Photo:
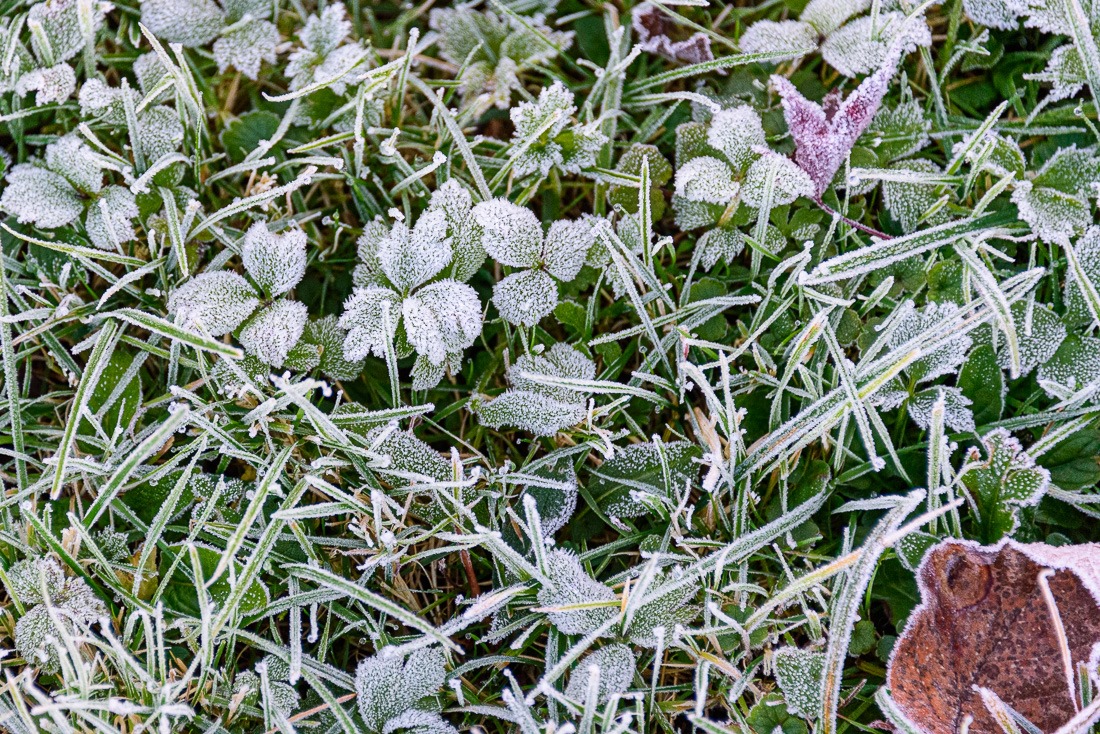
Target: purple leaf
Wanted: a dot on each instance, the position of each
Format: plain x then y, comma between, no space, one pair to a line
824,134
654,28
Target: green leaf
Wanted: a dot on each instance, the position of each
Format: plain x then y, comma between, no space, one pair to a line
1001,479
1074,463
181,596
982,380
643,469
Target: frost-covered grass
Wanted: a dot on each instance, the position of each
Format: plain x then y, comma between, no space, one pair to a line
527,365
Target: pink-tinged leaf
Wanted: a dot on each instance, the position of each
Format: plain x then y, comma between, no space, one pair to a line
653,29
824,134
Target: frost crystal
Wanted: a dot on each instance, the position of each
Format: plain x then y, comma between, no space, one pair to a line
321,57
364,317
616,665
999,14
1075,366
410,258
569,584
61,27
442,318
1065,72
1039,333
388,685
328,338
910,202
550,136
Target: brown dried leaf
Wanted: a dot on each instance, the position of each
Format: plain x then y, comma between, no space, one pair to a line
654,30
984,622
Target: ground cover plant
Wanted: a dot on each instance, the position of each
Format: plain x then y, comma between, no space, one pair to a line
549,366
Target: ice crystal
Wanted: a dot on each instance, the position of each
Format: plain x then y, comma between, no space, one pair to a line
1039,333
441,319
824,134
388,684
719,245
59,21
365,318
666,607
910,202
1000,479
899,131
1075,366
569,584
1065,72
615,665
737,132
276,262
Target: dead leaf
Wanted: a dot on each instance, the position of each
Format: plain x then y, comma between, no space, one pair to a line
984,622
653,29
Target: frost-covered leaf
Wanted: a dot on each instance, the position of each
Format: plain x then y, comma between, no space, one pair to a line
36,195
615,664
364,318
511,234
1000,479
786,35
71,158
824,134
388,684
828,15
642,469
218,302
464,232
799,674
1052,214
246,46
940,362
276,262
994,153
1039,333
1075,366
104,102
1087,250
160,132
864,44
909,202
325,31
899,131
189,22
537,124
654,30
567,245
26,580
109,218
326,334
957,414
53,84
442,318
530,411
412,257
999,14
273,332
409,455
561,360
1065,72
526,297
569,584
1071,170
61,27
737,132
774,180
707,180
719,245
418,722
667,607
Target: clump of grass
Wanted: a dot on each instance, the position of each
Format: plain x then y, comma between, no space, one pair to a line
375,368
